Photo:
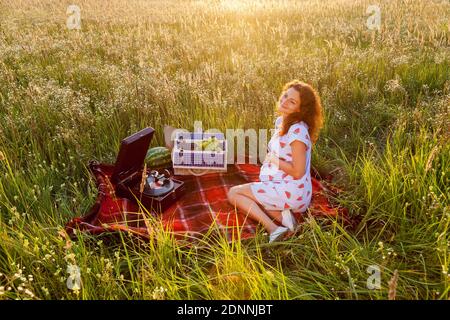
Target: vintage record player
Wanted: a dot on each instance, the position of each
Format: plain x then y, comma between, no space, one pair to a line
159,190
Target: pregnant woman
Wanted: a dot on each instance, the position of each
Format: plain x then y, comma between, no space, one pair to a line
285,181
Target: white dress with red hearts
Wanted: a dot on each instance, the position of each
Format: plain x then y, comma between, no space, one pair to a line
277,189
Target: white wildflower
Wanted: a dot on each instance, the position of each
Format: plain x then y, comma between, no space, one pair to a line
159,293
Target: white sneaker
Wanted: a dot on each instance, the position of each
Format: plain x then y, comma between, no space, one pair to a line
288,220
277,234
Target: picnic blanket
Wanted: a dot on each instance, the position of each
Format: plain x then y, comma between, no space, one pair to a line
204,205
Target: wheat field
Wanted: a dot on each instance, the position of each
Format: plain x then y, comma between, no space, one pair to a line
70,95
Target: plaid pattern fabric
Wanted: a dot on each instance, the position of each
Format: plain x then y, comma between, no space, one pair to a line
203,205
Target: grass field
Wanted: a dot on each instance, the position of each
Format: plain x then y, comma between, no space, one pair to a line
68,96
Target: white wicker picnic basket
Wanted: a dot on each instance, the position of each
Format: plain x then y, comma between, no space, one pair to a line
197,153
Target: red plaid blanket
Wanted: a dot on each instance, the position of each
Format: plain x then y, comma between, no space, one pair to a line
204,205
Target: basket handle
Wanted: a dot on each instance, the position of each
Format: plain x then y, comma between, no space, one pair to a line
197,174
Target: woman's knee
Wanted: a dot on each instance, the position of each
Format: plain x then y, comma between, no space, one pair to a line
232,193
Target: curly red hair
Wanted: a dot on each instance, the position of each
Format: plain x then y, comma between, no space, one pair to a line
310,109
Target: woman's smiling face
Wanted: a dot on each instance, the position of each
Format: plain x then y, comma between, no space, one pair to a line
289,102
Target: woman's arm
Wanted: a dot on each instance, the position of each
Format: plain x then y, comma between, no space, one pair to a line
296,168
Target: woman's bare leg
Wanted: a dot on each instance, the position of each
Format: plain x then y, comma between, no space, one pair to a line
275,214
242,197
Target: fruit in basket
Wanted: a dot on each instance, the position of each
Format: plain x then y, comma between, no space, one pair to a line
158,157
210,144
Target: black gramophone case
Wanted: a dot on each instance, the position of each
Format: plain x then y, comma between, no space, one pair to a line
128,171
